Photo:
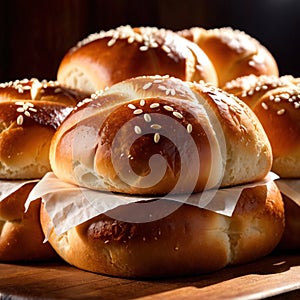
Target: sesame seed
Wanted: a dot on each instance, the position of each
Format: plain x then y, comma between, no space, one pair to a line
166,49
20,120
264,105
147,85
137,130
176,248
168,108
296,104
27,113
111,42
277,99
189,128
177,114
107,241
138,111
131,106
281,112
144,48
147,118
57,90
157,81
156,138
155,126
32,109
142,102
154,105
144,239
20,109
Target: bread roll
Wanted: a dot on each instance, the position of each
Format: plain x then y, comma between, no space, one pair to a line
276,102
105,58
233,52
21,235
30,112
188,241
155,135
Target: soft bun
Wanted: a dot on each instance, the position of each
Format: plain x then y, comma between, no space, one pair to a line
276,102
165,123
21,235
233,52
30,112
188,241
108,57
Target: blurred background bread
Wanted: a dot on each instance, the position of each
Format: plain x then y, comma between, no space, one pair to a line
232,52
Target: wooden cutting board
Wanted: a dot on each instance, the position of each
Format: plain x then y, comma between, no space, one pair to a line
275,276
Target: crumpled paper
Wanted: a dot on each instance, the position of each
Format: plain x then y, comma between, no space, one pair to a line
8,187
290,188
69,205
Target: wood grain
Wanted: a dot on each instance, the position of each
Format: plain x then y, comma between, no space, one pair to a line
275,275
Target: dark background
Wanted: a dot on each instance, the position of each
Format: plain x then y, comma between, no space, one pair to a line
35,35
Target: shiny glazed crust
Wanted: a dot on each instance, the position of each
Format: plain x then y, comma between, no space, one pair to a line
30,112
187,241
108,57
233,52
276,102
21,235
154,135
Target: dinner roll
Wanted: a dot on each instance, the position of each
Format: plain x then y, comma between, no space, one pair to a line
105,58
233,52
30,112
188,241
21,235
276,102
154,135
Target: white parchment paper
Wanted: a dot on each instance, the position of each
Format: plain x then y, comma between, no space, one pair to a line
8,187
68,205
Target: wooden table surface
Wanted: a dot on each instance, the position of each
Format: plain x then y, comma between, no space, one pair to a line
276,276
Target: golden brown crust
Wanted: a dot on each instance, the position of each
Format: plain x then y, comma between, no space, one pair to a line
182,122
187,241
233,52
21,235
108,57
30,112
276,102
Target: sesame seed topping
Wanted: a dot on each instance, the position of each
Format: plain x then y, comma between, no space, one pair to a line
154,105
168,108
131,106
137,129
296,104
20,120
177,115
281,112
138,111
157,81
142,102
156,138
147,85
144,48
155,126
147,118
27,113
264,106
20,109
189,128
